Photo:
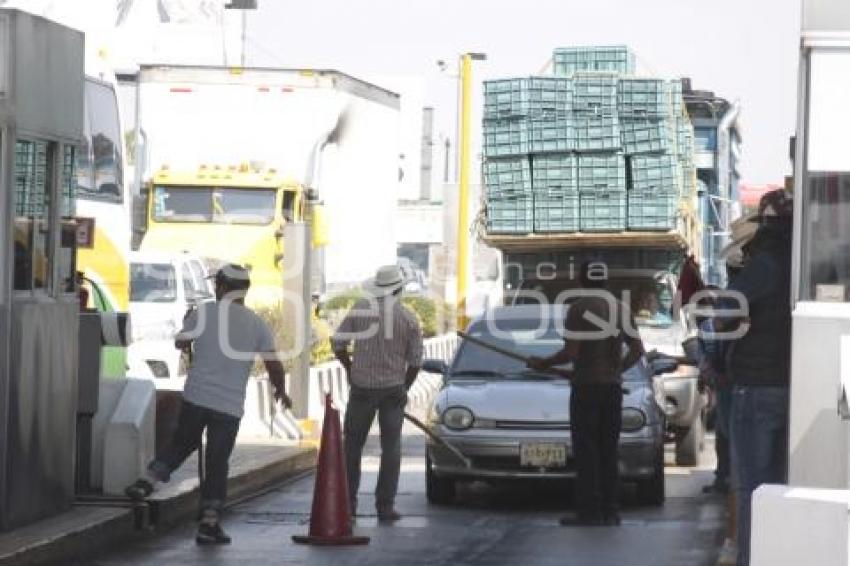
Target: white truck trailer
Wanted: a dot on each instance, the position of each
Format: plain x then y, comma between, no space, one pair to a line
324,129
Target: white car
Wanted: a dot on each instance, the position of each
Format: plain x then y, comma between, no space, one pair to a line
163,287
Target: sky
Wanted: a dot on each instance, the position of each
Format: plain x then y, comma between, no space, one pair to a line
743,50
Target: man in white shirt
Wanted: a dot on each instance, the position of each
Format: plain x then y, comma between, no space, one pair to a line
225,338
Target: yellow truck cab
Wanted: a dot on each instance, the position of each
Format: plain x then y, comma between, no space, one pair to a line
228,214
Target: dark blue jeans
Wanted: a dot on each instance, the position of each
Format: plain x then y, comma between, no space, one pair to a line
759,438
221,431
360,412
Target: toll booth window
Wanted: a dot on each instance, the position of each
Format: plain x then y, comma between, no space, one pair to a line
32,215
288,208
66,261
101,173
825,258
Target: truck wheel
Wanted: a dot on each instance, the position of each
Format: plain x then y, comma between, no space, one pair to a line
689,444
651,491
439,491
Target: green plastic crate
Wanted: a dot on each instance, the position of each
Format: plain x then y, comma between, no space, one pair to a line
527,96
549,97
651,209
571,60
557,172
595,93
556,135
556,211
601,173
643,98
505,138
510,215
596,133
602,211
655,172
645,135
676,93
506,98
507,175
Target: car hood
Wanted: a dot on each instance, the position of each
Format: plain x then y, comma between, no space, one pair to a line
525,400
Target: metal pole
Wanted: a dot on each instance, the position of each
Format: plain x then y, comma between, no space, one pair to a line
244,30
463,189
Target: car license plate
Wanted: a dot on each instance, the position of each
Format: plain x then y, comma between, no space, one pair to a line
543,455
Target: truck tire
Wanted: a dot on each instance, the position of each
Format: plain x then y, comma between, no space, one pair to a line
651,490
689,443
438,491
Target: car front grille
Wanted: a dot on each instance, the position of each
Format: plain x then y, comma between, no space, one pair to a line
534,425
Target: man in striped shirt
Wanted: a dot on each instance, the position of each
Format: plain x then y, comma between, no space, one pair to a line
387,355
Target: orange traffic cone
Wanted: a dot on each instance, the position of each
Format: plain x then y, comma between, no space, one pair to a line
330,519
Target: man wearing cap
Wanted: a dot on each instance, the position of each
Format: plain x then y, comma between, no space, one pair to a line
225,338
387,355
759,361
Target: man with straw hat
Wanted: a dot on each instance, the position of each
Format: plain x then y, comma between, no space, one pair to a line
759,362
387,355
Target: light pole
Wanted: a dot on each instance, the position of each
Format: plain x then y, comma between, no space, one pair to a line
244,6
463,185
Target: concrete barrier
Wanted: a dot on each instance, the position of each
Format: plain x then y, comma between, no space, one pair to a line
129,437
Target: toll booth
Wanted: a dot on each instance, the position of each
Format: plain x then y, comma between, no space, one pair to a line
41,127
807,522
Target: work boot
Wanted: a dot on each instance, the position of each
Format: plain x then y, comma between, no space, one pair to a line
209,529
211,533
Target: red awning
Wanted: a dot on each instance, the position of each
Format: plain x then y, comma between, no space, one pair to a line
750,195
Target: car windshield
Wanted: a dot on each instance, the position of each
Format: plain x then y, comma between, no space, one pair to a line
213,205
650,298
152,283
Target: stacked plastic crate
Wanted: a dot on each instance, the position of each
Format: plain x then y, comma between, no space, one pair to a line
601,168
591,148
507,166
648,123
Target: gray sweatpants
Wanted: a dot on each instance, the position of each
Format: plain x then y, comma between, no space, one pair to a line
360,412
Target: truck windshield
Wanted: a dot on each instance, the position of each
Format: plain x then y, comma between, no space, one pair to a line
213,205
152,283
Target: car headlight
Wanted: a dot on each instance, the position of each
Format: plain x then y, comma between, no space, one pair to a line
633,420
458,418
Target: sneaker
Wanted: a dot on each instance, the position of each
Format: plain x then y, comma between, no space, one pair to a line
211,534
612,520
139,490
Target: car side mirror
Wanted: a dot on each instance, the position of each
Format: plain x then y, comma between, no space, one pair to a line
435,366
663,365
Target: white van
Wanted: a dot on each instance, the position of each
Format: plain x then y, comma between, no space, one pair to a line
163,287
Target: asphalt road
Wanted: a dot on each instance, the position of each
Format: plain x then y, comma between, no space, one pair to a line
490,525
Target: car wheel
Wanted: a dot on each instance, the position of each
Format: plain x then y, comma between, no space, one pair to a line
439,491
651,490
689,443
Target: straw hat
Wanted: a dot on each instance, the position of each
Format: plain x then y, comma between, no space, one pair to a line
387,281
743,231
